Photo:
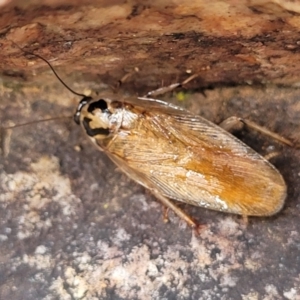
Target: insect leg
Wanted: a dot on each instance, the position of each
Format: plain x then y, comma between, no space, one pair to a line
125,78
271,155
166,89
166,214
245,220
5,136
235,123
128,75
180,213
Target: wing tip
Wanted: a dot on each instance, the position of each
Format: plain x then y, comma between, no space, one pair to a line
270,207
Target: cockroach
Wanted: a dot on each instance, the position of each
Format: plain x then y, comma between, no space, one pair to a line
181,156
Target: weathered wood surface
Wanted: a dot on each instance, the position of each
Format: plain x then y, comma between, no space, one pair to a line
227,42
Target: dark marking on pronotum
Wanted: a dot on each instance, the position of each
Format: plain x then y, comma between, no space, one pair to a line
101,104
92,132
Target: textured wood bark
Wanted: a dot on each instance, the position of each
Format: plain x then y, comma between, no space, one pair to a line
227,42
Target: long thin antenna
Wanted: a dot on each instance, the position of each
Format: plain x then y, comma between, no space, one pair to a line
54,72
36,121
5,132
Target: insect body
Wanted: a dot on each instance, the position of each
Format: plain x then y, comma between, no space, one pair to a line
181,156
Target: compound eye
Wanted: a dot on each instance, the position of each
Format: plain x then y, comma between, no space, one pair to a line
84,101
100,104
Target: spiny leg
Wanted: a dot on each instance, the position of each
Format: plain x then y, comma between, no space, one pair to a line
170,88
127,75
271,155
245,220
166,214
5,137
180,213
235,123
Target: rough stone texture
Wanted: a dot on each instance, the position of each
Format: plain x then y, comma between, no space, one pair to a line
72,225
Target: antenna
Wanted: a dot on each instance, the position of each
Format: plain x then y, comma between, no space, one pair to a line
36,121
4,130
52,69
